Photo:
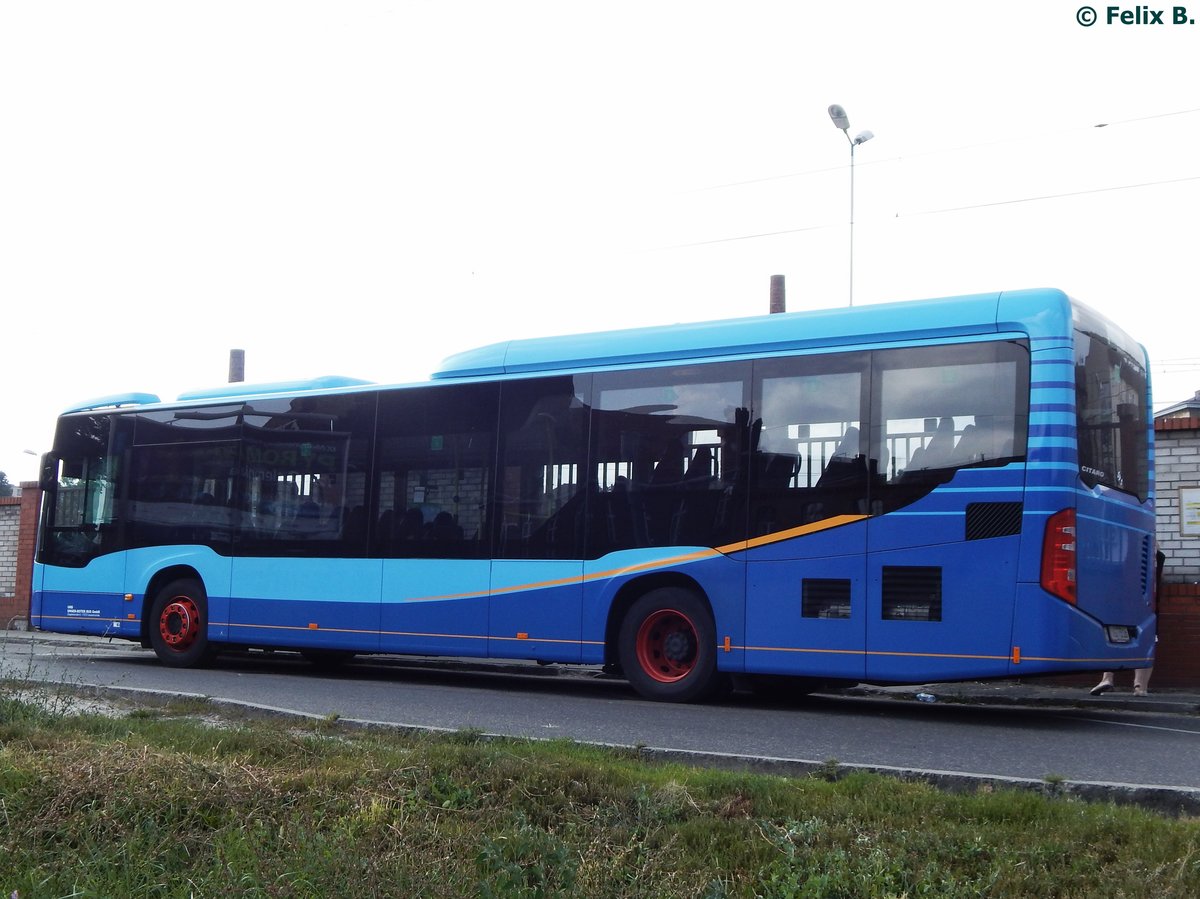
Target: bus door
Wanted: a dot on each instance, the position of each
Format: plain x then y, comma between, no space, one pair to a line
808,479
300,572
945,531
542,501
435,455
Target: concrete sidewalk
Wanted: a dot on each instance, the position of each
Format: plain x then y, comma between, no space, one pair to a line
1037,692
1027,693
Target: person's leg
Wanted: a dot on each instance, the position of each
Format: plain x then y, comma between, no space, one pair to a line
1106,684
1141,681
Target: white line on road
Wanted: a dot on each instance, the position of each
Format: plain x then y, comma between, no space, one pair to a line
1174,730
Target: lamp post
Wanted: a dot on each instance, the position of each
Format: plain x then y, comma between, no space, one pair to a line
842,122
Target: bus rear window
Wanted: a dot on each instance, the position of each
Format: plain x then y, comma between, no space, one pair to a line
1111,400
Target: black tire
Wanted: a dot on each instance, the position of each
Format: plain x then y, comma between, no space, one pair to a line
179,625
668,646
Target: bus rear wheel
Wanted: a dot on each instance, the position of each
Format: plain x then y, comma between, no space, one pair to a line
179,625
667,646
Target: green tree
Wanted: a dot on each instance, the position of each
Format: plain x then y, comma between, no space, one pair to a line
6,489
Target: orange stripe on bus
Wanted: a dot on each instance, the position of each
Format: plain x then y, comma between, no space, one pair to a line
824,524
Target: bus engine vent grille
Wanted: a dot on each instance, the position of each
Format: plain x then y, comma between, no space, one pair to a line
825,598
986,520
912,593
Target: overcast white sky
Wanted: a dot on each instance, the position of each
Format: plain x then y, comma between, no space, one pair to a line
364,188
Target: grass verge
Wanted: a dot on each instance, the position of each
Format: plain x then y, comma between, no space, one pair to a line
164,805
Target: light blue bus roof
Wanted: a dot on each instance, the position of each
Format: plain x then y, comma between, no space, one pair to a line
1040,313
236,390
1044,312
226,391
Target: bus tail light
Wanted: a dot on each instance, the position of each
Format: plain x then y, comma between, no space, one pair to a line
1058,556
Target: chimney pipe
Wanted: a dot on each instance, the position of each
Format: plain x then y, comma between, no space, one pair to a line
778,298
237,366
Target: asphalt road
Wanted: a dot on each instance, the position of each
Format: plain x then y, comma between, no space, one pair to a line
1076,744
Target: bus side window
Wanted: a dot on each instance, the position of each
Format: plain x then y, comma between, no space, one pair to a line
810,462
667,449
304,464
543,492
947,407
435,454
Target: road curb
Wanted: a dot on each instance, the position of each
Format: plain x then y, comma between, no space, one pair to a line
1175,801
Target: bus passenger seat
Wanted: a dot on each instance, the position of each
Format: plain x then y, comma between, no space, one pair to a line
940,448
968,449
700,468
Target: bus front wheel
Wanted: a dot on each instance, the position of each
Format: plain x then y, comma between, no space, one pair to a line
667,646
179,626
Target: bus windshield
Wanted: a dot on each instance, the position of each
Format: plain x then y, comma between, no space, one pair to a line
79,520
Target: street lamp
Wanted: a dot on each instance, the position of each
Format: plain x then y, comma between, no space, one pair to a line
842,122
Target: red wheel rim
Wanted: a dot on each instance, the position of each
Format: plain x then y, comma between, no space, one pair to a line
179,623
667,646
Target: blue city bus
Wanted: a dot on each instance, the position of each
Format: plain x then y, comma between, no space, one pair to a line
944,489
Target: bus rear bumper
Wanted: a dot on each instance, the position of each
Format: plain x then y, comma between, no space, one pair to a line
1050,635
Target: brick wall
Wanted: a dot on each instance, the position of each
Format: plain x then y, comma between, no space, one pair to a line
10,530
10,534
1177,465
1178,660
31,504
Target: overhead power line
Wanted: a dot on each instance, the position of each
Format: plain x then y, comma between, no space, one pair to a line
941,211
1074,193
1040,136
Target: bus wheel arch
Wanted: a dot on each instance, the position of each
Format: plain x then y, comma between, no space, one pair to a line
160,580
663,634
177,624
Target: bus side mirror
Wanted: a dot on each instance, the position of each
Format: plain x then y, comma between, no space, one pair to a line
48,478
